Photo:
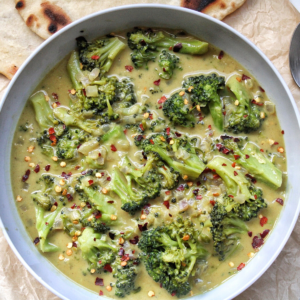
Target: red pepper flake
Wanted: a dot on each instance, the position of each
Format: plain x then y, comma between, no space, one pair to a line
151,141
97,214
157,82
74,244
57,103
282,131
73,206
280,201
101,293
209,127
168,130
77,167
110,201
245,77
121,252
263,221
224,113
143,227
52,138
221,54
212,202
235,173
91,182
245,116
255,197
160,107
233,164
262,90
241,266
216,176
265,233
173,294
51,130
167,192
95,57
125,131
224,165
125,257
134,241
108,268
26,176
55,96
225,151
167,204
141,127
164,168
177,134
261,150
162,100
250,233
256,103
253,180
247,156
99,281
37,168
199,197
151,116
36,240
177,47
47,168
275,143
180,188
113,148
257,242
236,157
84,92
78,146
65,175
231,196
108,178
129,68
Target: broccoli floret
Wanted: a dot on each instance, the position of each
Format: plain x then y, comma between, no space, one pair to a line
70,218
178,112
168,62
255,162
170,178
245,117
133,190
157,125
189,165
96,250
204,92
126,277
145,43
93,218
99,53
43,112
170,253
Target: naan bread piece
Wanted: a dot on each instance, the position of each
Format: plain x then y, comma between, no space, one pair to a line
43,17
16,40
218,9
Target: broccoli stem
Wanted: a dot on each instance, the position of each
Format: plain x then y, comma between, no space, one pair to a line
239,91
215,108
223,168
116,133
73,67
193,47
43,112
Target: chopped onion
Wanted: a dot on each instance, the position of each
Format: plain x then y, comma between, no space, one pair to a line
87,147
183,205
58,224
182,154
94,74
91,91
240,198
249,83
270,107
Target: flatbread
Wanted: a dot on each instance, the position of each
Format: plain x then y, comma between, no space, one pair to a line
16,40
218,9
43,18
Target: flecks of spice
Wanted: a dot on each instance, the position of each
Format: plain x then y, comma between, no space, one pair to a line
261,89
162,100
113,148
107,268
167,204
257,242
99,281
55,96
264,233
36,240
241,266
134,241
37,168
221,54
26,176
280,201
143,227
121,252
156,82
47,168
177,47
69,197
263,221
101,293
212,202
129,68
245,77
95,57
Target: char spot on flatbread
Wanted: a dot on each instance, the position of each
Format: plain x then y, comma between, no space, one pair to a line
223,5
196,4
57,17
30,20
20,4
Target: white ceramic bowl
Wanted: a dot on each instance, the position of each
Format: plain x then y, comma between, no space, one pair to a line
120,18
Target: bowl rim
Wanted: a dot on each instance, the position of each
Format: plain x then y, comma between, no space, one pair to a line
168,7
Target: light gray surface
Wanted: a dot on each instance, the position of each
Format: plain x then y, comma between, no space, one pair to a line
202,26
295,55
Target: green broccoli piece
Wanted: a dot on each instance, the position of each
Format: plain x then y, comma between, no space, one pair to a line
170,253
43,111
255,162
178,112
245,117
96,250
187,165
134,191
99,53
145,44
44,200
69,218
168,62
204,92
169,177
126,277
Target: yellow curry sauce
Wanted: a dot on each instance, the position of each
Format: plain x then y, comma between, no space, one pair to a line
209,275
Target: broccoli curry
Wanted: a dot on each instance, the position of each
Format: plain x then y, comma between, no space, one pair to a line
149,163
